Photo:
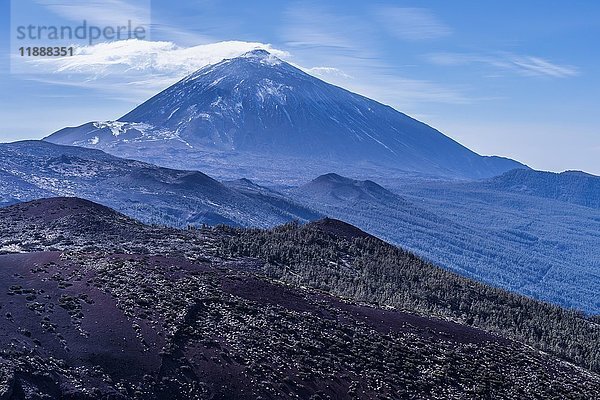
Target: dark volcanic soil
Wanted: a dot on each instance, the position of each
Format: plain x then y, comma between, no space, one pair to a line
170,319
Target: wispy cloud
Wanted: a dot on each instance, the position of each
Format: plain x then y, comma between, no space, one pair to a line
317,27
135,69
138,66
100,12
405,94
325,72
155,57
115,12
352,47
538,66
521,64
412,23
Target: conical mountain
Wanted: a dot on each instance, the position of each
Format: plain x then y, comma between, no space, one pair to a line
260,106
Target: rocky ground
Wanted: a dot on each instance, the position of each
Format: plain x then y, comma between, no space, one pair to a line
95,305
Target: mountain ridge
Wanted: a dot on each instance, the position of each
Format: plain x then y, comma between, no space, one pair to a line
310,281
345,188
35,169
575,187
518,241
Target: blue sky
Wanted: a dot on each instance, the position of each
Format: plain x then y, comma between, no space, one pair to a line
512,78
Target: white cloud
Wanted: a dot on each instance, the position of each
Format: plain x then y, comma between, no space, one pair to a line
412,23
521,64
143,67
155,57
135,69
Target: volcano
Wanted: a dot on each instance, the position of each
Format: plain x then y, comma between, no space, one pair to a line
257,109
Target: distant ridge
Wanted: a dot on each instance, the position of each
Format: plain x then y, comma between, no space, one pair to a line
575,187
345,188
152,194
338,228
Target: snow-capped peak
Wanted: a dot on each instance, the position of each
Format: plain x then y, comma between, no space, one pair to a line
258,104
262,56
256,53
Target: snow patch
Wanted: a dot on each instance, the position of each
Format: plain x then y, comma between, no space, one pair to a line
118,128
12,248
172,112
115,127
218,102
268,88
215,82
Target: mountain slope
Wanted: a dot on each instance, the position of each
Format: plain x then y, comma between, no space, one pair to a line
162,322
256,105
535,246
14,189
336,187
570,186
36,169
279,201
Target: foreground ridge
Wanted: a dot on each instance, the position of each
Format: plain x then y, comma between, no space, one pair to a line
98,305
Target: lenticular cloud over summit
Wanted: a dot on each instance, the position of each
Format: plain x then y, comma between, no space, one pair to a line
136,60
